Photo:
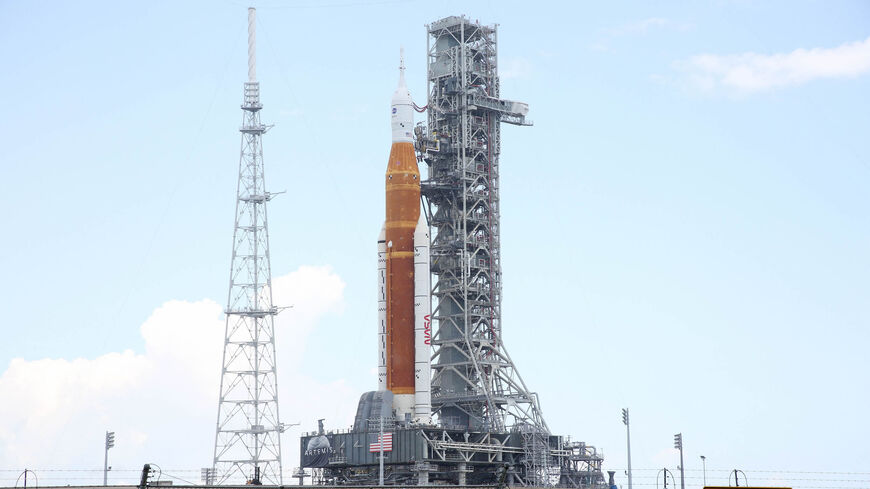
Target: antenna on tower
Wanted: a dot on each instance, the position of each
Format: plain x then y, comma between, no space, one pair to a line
247,439
252,44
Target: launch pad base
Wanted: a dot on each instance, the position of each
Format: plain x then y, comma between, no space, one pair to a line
420,455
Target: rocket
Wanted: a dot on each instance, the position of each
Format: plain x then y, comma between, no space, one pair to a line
404,290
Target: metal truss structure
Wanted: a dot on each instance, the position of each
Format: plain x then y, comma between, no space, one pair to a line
247,439
426,456
558,463
475,384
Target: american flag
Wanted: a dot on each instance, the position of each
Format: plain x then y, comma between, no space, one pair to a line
386,439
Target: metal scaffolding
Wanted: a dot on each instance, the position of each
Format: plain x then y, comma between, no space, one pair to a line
475,384
247,438
536,456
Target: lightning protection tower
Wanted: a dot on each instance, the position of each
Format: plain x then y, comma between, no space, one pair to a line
475,384
247,439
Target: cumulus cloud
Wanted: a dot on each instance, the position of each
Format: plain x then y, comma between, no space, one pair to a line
752,72
161,403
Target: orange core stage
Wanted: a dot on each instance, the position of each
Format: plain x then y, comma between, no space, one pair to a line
403,211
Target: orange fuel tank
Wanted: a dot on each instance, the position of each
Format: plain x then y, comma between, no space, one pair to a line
403,211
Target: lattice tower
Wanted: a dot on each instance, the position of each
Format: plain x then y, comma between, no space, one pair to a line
536,456
475,383
247,439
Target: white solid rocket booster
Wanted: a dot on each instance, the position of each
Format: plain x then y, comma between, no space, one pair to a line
422,324
382,309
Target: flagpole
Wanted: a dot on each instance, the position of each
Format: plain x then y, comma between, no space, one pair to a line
381,450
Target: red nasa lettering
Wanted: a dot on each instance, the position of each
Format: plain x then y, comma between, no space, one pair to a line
427,329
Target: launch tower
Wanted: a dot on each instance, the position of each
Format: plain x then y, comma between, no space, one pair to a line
247,439
475,383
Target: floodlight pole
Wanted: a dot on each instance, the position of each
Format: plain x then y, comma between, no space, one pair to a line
704,463
626,421
110,442
678,443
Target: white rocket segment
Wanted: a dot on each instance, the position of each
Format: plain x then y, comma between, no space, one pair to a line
382,309
402,109
252,44
422,324
403,404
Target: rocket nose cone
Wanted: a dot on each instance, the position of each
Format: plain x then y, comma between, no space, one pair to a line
402,110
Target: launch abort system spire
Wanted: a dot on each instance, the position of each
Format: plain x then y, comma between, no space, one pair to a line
247,439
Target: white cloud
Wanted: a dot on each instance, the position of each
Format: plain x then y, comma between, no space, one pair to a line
161,403
752,72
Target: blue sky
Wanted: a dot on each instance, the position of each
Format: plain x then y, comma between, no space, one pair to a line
685,227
